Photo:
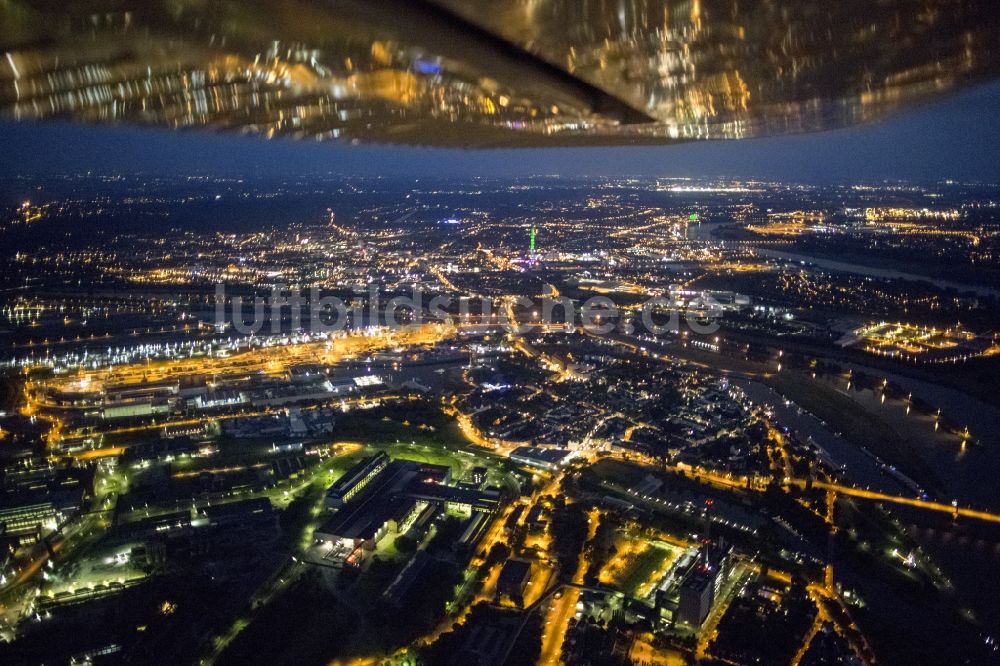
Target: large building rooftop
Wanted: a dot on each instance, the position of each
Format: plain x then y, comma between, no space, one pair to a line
539,457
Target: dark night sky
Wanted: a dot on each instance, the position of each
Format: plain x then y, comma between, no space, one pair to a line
958,137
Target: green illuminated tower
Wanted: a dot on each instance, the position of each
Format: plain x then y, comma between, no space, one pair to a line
531,242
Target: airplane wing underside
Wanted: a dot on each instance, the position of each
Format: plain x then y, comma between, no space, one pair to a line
477,73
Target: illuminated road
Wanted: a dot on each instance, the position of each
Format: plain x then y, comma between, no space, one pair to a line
821,617
725,480
474,435
908,501
442,278
556,624
73,536
549,362
562,610
742,482
709,629
628,231
841,620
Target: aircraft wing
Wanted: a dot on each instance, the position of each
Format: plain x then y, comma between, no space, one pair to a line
491,73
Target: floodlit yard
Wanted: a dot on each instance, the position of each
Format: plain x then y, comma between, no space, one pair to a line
636,566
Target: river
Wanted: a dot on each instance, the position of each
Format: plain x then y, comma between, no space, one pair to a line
860,469
872,271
